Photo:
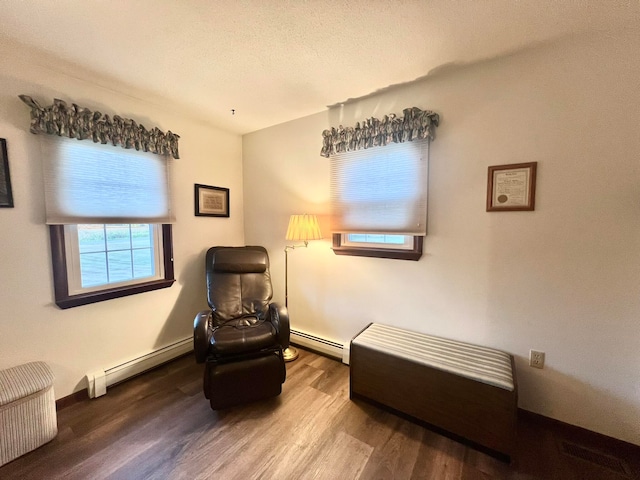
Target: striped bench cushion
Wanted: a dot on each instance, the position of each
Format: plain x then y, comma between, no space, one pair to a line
27,409
482,364
24,380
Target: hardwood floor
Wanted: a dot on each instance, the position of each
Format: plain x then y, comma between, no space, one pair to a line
159,426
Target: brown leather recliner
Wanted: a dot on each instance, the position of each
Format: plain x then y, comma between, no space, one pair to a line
242,337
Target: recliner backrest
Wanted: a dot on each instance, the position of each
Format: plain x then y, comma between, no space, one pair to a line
238,281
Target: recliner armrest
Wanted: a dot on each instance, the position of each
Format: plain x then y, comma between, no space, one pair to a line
201,335
279,316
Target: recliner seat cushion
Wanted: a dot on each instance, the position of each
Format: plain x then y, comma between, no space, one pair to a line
243,335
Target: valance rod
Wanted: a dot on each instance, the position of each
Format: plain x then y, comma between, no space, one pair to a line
81,123
416,124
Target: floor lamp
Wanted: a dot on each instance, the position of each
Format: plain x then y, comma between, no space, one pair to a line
301,228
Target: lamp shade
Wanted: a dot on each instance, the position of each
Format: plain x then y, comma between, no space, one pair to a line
303,227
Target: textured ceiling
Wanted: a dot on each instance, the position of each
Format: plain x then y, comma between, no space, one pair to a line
277,60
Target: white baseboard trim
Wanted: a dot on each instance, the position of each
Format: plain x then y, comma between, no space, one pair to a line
322,345
99,381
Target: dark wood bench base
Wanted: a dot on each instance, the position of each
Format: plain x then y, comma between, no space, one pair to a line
503,457
482,414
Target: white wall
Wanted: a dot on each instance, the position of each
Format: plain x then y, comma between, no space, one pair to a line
563,279
101,335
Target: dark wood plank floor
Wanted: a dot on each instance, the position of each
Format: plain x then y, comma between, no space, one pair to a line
159,426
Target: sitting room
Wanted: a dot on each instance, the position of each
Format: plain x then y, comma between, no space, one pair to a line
330,239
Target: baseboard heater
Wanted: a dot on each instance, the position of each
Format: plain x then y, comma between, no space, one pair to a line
98,381
322,345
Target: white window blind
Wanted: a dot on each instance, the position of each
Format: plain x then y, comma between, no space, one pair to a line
89,183
381,190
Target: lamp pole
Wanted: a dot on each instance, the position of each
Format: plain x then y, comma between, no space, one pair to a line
286,270
286,275
290,353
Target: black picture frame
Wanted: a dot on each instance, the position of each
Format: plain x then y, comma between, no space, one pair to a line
211,201
6,194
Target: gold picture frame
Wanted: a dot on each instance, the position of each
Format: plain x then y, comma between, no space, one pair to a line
512,187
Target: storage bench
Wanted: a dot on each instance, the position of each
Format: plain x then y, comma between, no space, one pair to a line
467,390
27,409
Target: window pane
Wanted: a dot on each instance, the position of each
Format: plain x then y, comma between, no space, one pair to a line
120,268
91,238
118,237
142,236
93,269
143,263
357,237
371,238
394,239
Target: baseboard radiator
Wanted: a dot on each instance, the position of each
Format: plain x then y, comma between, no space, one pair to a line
322,345
98,381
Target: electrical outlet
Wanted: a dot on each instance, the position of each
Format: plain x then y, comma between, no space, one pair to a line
536,359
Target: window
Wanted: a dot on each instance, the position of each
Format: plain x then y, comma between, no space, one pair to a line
379,201
111,254
108,210
80,281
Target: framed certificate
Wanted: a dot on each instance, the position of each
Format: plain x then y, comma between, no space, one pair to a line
511,187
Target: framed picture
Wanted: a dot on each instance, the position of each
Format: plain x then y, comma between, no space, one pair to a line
6,196
211,201
512,187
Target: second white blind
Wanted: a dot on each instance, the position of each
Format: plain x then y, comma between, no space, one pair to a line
381,190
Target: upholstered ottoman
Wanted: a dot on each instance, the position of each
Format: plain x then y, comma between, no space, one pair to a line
27,409
233,383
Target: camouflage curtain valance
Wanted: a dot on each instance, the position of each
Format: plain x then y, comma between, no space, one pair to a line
416,124
81,123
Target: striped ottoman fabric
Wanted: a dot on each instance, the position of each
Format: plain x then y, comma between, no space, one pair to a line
27,409
482,364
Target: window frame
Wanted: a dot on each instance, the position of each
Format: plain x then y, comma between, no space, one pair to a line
74,262
393,253
61,281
